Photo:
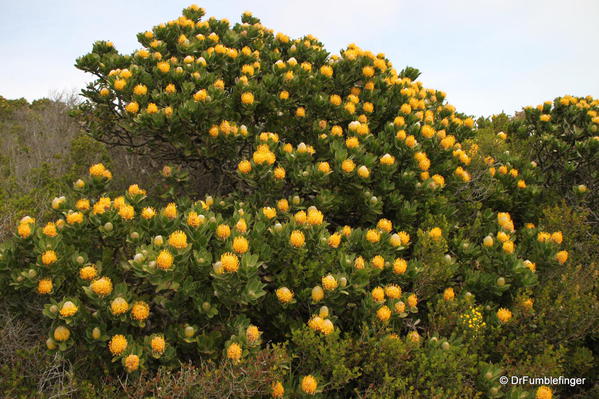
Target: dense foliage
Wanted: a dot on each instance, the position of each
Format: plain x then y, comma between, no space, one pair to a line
363,238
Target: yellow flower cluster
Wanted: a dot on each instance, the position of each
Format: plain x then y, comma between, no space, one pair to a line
473,320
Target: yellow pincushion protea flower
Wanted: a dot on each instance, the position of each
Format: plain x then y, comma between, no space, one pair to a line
194,220
61,334
140,89
334,240
378,262
50,230
163,66
277,390
102,286
24,230
68,309
223,231
82,205
165,259
44,286
230,262
368,71
88,272
435,233
75,218
326,70
504,315
97,170
101,206
244,167
327,327
385,225
383,313
324,167
49,257
300,217
378,294
557,237
530,265
527,304
448,294
373,236
140,311
315,323
438,180
252,333
241,226
132,107
508,247
400,266
393,291
283,205
131,363
412,300
400,307
413,337
352,142
502,237
234,352
284,294
561,257
329,282
135,190
158,344
178,239
269,212
170,211
279,173
247,98
309,385
119,306
359,263
363,172
240,245
387,160
127,212
148,212
395,240
297,239
405,237
317,294
315,217
348,166
543,392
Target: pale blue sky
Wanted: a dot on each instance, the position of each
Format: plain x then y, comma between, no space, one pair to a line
488,55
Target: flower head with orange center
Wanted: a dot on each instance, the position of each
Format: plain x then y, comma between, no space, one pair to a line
165,260
504,315
230,262
309,385
284,294
131,363
178,239
102,286
158,344
140,310
44,286
118,344
49,257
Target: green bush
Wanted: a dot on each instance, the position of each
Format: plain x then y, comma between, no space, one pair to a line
363,238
